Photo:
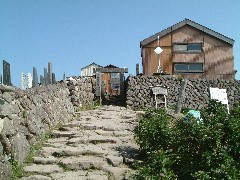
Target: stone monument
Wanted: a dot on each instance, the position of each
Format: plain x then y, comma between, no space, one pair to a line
6,73
45,77
49,73
35,77
53,78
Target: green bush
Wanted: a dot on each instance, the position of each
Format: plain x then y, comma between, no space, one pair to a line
195,149
155,124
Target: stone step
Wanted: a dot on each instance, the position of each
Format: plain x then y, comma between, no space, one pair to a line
43,169
81,175
115,161
117,173
57,133
73,124
95,139
82,162
58,140
82,149
36,177
45,160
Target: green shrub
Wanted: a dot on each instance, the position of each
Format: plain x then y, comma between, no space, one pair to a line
154,124
153,135
205,149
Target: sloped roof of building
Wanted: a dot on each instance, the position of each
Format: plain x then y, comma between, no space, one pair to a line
110,66
93,63
190,23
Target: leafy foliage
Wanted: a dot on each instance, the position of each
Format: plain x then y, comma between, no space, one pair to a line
188,148
17,170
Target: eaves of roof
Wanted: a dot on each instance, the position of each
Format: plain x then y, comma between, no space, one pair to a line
190,23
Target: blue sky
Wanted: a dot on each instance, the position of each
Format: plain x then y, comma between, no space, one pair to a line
74,33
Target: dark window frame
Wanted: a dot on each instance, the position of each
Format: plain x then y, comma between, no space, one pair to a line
188,51
188,70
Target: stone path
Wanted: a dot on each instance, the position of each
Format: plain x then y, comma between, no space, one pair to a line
97,145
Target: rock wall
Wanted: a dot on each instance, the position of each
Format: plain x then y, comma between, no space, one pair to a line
25,117
139,93
82,91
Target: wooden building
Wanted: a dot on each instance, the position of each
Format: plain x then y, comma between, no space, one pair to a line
111,79
89,70
191,51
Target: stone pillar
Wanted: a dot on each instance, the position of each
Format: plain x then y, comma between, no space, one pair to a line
35,78
137,69
41,80
49,73
64,76
53,78
0,78
6,73
45,77
181,96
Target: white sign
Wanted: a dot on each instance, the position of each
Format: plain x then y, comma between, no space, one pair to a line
219,95
158,50
159,90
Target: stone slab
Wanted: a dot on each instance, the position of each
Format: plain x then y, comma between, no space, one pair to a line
42,169
36,177
114,160
83,162
70,175
57,133
45,160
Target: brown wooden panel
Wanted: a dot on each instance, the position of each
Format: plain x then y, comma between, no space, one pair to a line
187,34
180,57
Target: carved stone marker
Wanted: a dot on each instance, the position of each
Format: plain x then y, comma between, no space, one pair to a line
181,96
41,80
53,78
45,77
6,73
0,78
35,77
49,73
137,69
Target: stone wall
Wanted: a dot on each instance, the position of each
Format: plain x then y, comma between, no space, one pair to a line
139,94
82,91
25,117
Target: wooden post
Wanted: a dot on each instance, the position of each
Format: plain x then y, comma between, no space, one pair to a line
181,96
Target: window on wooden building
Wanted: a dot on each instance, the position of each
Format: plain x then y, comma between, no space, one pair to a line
188,67
191,47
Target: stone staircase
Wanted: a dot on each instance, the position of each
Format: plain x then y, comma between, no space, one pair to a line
97,145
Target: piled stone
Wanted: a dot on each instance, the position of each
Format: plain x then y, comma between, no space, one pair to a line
81,91
25,117
139,94
98,144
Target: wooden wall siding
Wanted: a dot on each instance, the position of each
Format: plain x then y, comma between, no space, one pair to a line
210,41
150,58
179,57
187,34
209,76
219,59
